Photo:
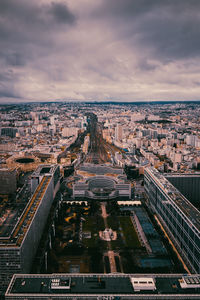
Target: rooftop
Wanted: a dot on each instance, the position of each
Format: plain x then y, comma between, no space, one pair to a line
112,284
191,212
44,169
16,223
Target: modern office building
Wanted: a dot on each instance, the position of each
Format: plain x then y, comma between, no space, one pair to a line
21,230
178,216
188,185
104,286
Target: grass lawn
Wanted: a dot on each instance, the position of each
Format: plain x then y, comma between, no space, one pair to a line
129,233
66,261
126,236
113,222
93,225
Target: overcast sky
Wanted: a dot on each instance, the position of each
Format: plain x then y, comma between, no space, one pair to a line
124,50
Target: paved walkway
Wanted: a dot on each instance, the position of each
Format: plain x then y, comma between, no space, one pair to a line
103,209
110,253
111,257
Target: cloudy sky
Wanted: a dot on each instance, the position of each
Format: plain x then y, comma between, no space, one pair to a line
128,50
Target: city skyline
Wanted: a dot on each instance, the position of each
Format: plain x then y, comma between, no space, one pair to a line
99,50
98,193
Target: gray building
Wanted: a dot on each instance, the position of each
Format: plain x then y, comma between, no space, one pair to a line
101,182
8,181
8,131
102,188
188,185
179,217
21,230
104,286
47,170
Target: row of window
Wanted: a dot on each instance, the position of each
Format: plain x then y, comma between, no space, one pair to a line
188,240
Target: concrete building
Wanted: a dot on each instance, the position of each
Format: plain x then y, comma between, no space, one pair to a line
179,218
86,144
70,131
47,170
8,181
52,120
137,117
188,184
9,131
118,133
104,286
21,230
190,140
101,188
101,183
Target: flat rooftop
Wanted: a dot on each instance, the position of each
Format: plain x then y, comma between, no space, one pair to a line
190,211
101,284
8,219
197,174
15,223
44,169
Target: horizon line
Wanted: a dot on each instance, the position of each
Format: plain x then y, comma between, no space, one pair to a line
100,102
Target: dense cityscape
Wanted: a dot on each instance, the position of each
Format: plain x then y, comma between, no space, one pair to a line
100,200
99,150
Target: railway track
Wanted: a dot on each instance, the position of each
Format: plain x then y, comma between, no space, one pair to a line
100,151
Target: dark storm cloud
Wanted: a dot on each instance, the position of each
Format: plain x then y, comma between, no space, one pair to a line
24,24
35,13
145,66
7,94
61,13
169,29
102,49
15,59
5,76
28,33
7,84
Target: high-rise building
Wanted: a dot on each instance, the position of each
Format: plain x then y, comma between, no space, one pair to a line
52,120
36,119
118,133
178,216
21,230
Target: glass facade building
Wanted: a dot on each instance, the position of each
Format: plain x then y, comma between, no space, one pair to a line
179,217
